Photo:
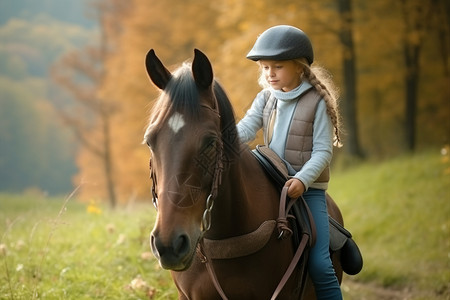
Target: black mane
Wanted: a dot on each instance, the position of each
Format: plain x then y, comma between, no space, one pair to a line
227,122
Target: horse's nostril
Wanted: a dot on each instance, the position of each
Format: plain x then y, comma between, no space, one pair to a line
181,244
177,247
154,246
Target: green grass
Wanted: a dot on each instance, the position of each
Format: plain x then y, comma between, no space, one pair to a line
72,254
398,212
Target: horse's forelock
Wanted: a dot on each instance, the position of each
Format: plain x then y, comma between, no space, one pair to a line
181,95
182,92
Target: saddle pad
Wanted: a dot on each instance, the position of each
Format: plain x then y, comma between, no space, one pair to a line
272,163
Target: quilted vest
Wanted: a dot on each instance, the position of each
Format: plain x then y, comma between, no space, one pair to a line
300,134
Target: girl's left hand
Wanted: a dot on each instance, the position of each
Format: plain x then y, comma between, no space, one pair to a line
295,188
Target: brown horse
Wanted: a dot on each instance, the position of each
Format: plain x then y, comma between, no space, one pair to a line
209,187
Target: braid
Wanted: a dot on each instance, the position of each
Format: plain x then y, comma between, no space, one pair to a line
321,81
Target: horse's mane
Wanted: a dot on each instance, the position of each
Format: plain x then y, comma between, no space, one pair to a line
181,95
227,122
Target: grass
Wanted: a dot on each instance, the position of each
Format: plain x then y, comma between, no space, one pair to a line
54,249
398,212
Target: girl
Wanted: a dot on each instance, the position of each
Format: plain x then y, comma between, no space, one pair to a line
298,113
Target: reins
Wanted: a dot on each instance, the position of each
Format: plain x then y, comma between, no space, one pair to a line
284,232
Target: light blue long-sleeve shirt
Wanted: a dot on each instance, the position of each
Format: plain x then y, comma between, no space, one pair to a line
322,151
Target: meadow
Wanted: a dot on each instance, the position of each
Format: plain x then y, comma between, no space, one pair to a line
397,210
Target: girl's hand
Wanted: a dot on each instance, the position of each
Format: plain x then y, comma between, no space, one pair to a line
295,188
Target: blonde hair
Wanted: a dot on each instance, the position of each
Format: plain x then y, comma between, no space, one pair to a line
322,81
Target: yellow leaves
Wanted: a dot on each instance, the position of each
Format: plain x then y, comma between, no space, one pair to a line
243,26
225,31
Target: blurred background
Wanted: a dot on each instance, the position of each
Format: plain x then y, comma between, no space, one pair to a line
74,103
74,94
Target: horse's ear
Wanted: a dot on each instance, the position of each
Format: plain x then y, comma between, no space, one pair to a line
202,70
156,70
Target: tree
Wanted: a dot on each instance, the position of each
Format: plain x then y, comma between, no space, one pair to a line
413,36
92,109
417,16
363,55
350,77
83,74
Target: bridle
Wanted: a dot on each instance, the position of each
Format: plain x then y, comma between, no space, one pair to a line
206,219
217,180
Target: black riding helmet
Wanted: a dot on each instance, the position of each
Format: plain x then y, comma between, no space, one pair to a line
282,42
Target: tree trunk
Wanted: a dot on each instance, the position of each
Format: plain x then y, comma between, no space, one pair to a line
107,160
349,103
411,84
414,15
106,113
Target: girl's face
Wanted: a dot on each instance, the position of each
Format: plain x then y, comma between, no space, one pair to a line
282,75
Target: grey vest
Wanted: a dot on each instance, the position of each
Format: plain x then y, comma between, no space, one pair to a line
300,134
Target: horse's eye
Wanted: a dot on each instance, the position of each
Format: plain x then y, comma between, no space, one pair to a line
150,142
209,144
207,152
150,136
155,202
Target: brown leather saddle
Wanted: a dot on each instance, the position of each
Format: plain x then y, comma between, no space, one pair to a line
340,238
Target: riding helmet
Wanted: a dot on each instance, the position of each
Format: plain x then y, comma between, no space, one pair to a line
282,42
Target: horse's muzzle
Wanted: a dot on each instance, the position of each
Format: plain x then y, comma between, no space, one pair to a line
176,254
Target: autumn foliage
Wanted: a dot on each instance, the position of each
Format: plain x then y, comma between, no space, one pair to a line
383,33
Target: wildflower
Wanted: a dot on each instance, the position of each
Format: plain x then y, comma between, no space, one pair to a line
139,285
20,244
3,249
110,228
93,208
445,153
19,267
121,239
146,255
64,271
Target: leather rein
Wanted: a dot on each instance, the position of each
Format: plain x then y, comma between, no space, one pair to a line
213,248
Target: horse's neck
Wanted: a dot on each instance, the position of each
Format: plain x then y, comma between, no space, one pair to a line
246,198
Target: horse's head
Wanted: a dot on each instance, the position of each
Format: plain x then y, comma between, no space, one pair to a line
184,137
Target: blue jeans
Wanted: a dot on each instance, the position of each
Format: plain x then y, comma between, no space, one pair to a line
320,267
